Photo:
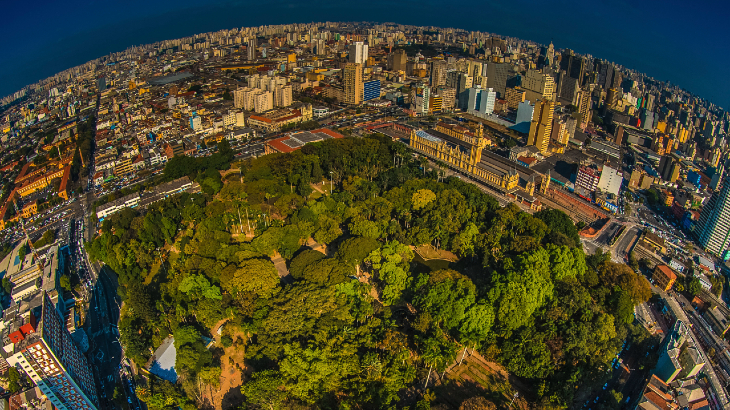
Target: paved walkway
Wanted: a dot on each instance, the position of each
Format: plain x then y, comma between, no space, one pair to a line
281,269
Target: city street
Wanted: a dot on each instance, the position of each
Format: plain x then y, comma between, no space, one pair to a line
105,351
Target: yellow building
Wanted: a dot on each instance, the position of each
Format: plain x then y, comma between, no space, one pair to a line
29,210
664,277
541,125
352,81
514,97
467,155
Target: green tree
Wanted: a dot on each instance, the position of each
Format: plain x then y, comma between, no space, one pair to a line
328,231
265,389
198,285
365,228
421,198
311,372
65,282
390,263
353,251
693,286
13,380
258,276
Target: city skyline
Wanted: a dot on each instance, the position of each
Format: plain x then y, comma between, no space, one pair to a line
639,37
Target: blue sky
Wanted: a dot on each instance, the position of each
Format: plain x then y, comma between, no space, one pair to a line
682,42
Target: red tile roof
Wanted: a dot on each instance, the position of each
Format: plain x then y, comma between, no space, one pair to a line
278,144
667,271
64,179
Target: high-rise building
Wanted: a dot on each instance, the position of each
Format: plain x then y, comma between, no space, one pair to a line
263,101
571,77
397,60
353,86
434,104
524,112
611,180
669,168
619,138
514,97
371,90
459,81
282,95
238,97
36,340
481,101
420,99
559,133
541,125
448,98
497,76
438,73
251,49
358,53
538,86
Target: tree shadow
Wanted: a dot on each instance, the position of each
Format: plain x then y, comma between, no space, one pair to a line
232,399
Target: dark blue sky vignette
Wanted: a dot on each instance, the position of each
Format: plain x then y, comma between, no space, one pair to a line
686,43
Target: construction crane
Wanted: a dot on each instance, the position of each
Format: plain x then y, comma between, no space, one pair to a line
27,237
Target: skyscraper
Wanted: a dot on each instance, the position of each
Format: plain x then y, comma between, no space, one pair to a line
541,125
358,53
35,339
397,60
438,73
497,76
713,228
481,101
420,99
251,49
353,86
571,78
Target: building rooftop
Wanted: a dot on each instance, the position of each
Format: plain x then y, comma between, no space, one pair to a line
162,363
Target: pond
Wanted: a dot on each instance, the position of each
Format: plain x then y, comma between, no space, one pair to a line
431,264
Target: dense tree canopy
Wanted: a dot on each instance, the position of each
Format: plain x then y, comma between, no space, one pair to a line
359,318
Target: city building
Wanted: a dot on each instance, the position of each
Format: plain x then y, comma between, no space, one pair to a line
358,53
611,180
717,321
657,395
541,125
251,49
679,358
538,86
353,85
525,111
263,101
438,73
465,152
669,168
397,60
196,123
664,277
371,90
587,178
37,342
497,76
234,118
481,101
448,98
420,99
515,96
713,228
297,140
